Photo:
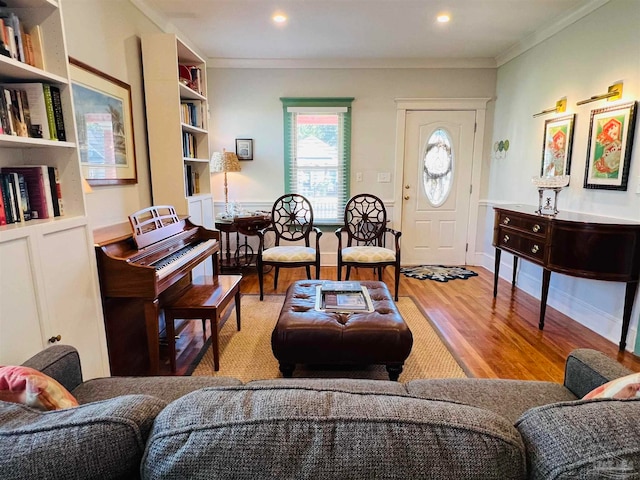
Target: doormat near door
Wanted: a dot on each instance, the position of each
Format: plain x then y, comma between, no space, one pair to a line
439,273
247,354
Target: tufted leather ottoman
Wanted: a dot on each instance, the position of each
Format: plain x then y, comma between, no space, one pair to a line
304,335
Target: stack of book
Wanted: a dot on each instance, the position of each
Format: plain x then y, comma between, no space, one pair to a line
343,297
29,192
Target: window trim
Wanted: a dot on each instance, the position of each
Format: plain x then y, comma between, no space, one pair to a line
291,105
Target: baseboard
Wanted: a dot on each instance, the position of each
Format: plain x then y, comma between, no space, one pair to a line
595,319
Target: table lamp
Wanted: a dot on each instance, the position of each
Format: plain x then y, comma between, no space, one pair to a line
225,162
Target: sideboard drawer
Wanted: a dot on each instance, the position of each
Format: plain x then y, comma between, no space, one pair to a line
537,226
524,246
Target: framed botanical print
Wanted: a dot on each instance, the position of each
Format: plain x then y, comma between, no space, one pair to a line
556,146
611,133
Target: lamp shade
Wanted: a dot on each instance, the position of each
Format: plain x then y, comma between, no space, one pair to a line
225,162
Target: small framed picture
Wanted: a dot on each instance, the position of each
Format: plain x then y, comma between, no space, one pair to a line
244,148
610,142
556,147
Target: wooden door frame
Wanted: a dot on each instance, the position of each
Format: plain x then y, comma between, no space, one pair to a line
479,105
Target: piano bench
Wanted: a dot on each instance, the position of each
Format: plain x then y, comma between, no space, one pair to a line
205,299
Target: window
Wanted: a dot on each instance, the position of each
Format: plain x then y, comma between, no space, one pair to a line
317,151
437,170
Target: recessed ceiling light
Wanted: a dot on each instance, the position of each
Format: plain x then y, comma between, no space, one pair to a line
279,18
443,18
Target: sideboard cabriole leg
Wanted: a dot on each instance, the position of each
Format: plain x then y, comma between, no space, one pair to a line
546,277
629,295
496,272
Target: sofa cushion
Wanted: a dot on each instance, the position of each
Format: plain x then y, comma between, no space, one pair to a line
33,388
509,398
347,385
274,433
165,388
620,388
583,439
100,440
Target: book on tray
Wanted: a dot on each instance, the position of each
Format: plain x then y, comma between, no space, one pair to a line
343,297
347,286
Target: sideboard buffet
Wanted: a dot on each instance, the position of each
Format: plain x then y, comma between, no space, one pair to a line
575,244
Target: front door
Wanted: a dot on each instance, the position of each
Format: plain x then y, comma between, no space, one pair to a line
436,186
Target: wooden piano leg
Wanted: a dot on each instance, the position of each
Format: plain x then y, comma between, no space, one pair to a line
151,312
515,271
546,277
629,295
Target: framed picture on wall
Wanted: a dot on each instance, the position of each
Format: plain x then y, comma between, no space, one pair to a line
244,148
556,146
104,121
609,151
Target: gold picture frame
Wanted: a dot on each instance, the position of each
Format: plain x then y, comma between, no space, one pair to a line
104,121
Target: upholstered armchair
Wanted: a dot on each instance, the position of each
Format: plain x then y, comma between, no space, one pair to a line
365,226
291,221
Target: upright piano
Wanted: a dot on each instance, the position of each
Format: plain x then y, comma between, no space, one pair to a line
580,245
142,265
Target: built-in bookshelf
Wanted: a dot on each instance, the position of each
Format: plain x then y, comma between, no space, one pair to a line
177,124
48,285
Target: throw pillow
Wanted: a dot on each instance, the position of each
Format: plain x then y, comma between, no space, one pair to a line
620,388
33,388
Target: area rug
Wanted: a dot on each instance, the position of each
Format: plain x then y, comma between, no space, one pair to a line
439,273
247,354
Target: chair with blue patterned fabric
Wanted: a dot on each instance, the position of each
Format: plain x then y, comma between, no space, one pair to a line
291,221
365,224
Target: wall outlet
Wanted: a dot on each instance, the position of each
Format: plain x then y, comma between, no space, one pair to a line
359,177
384,177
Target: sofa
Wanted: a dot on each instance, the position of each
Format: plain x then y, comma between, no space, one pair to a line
206,427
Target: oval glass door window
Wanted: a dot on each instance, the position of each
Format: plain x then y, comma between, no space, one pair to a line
438,162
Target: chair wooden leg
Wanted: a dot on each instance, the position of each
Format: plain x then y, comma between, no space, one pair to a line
339,271
275,277
397,272
348,272
380,269
260,278
308,268
317,271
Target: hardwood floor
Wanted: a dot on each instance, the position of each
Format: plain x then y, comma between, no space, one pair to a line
493,338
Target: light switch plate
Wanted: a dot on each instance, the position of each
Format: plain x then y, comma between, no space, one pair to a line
384,177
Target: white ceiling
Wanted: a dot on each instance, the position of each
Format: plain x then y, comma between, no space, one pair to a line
364,31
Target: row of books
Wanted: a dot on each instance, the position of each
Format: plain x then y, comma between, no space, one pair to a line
189,149
191,180
191,114
29,192
17,43
31,110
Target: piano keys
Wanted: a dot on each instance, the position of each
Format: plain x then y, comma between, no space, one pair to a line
140,269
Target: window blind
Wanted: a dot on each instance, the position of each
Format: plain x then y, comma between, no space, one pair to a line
317,147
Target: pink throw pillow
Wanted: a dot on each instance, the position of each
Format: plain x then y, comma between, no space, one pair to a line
33,388
620,388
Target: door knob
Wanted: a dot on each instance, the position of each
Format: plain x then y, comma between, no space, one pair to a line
406,197
55,339
407,186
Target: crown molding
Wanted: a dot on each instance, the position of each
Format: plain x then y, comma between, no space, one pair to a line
165,25
540,36
351,63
